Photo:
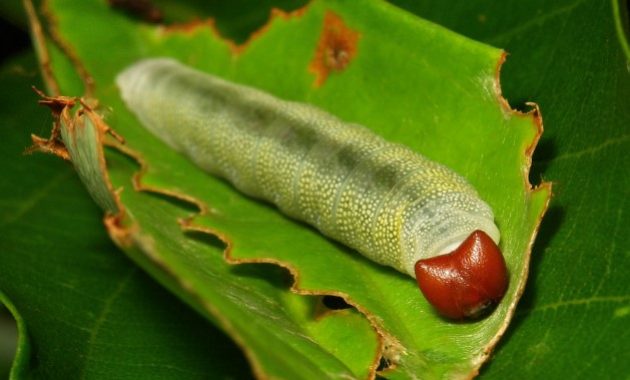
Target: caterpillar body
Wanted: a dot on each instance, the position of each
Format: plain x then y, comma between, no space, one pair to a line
391,204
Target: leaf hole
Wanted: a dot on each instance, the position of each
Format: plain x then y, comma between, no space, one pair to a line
335,303
206,238
544,154
236,20
275,275
383,365
271,273
174,200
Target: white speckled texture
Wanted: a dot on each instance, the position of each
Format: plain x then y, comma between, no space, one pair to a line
391,204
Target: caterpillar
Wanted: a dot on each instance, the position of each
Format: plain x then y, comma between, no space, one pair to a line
391,204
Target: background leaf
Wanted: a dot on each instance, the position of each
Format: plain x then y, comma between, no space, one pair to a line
456,75
89,312
567,57
281,333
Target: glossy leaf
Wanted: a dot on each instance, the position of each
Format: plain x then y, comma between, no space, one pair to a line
449,83
570,57
427,342
83,308
553,46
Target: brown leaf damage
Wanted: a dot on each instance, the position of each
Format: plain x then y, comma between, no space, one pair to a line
193,26
336,48
59,106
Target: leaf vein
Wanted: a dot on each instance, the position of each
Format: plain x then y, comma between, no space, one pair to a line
105,311
576,302
535,21
590,150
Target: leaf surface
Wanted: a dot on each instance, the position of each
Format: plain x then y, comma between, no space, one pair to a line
412,82
83,308
570,57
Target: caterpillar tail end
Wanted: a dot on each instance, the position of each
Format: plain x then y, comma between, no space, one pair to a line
467,282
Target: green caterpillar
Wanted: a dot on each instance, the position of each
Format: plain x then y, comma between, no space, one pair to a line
388,202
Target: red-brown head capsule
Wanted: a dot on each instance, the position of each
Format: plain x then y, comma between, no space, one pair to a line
467,282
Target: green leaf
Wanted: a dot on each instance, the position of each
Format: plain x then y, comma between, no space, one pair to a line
552,47
236,19
12,11
572,58
436,99
290,323
84,309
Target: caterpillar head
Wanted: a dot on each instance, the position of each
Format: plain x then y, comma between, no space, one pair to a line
467,282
